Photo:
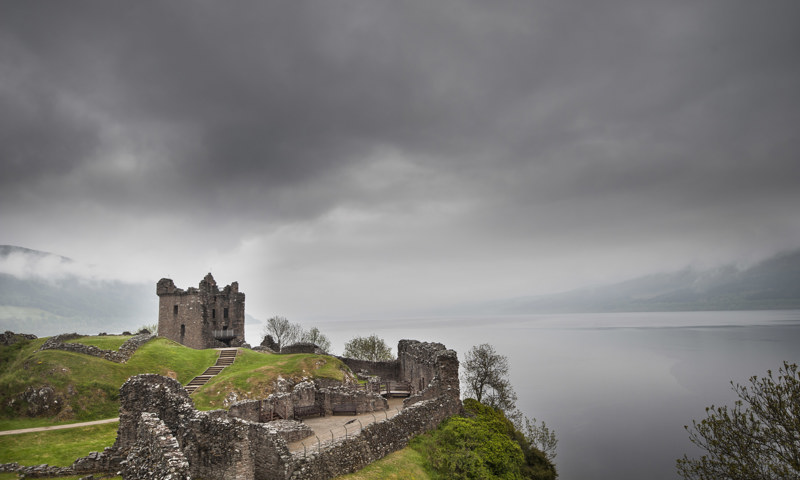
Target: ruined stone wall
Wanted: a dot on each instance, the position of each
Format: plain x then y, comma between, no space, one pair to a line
430,368
125,352
215,445
190,317
306,394
155,440
218,445
375,441
389,370
8,338
302,347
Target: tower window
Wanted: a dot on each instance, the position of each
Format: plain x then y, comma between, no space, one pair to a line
175,310
225,313
213,313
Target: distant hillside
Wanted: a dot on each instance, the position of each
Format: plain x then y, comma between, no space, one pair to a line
39,294
771,284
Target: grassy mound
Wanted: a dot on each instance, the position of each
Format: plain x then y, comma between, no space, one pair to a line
87,386
254,375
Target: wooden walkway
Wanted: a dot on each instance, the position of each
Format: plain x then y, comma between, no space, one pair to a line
226,357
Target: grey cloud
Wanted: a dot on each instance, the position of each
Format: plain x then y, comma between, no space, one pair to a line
494,122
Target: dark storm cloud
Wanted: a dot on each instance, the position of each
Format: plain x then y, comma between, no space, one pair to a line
498,122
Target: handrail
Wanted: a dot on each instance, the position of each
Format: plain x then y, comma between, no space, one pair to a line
224,333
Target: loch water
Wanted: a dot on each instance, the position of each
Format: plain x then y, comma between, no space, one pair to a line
617,388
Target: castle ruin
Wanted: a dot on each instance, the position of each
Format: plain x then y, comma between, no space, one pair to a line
203,317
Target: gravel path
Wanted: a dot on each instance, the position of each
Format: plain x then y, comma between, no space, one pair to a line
58,427
340,425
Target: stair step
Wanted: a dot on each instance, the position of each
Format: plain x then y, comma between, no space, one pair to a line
226,358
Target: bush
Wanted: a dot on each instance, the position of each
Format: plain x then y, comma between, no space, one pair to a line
483,444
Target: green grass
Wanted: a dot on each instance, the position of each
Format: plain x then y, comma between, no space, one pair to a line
90,385
405,464
56,447
253,375
105,342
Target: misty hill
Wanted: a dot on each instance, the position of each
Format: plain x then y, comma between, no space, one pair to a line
771,284
42,293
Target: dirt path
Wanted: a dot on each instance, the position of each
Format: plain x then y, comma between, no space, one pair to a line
337,426
58,427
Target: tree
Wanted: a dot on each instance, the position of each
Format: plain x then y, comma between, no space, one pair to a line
317,338
541,437
759,438
282,330
371,348
485,378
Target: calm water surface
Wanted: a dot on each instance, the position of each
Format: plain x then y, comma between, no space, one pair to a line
617,388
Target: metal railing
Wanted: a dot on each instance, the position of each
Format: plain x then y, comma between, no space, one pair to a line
224,333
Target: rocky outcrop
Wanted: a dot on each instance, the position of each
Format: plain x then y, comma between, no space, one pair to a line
39,401
9,338
270,343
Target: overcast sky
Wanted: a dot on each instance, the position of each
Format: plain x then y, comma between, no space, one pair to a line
357,158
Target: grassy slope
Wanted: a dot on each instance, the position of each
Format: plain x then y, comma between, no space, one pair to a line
405,464
89,384
95,382
253,375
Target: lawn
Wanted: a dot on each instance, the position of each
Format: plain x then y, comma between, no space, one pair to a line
56,447
253,375
89,385
405,464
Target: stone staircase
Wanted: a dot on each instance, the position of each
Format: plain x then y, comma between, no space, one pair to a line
226,357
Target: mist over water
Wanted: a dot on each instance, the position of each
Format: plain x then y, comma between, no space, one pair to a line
617,388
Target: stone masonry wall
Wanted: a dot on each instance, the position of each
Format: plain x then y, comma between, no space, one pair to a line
306,394
190,317
431,369
155,440
375,441
125,352
386,370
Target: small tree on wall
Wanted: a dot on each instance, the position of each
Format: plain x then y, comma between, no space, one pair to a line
371,348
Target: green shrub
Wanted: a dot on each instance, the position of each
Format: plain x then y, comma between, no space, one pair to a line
482,444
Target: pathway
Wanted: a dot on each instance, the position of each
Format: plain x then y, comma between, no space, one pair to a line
339,426
58,427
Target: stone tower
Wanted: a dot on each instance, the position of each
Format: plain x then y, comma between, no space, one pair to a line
202,317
